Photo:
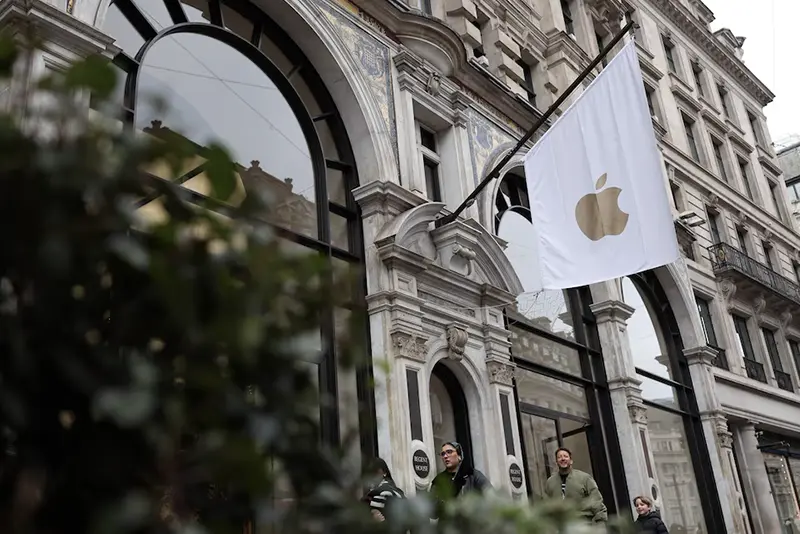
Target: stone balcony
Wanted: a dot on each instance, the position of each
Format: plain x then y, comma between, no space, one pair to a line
754,279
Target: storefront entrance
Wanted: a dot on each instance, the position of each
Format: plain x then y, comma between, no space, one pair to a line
543,432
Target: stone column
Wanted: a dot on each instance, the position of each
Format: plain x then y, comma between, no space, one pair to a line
501,380
738,508
756,481
629,412
700,360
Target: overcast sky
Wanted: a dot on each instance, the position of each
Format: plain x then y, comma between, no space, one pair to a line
770,51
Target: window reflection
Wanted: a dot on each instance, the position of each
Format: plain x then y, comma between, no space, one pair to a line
213,92
680,501
125,36
783,489
537,349
551,393
541,442
155,11
646,345
196,10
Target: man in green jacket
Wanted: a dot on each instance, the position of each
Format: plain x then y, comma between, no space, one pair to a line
576,486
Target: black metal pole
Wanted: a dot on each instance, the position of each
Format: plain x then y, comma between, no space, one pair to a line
495,172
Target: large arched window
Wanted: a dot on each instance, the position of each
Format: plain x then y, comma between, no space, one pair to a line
222,70
683,481
560,383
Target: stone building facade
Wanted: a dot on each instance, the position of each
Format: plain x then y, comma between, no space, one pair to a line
367,120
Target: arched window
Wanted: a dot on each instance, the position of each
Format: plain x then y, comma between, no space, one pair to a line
227,73
686,492
561,391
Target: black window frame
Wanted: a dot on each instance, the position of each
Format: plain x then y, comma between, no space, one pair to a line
651,290
302,69
706,320
716,148
689,129
566,13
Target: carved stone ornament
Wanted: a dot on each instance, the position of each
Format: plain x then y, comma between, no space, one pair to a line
728,288
713,200
759,303
638,413
465,252
409,346
786,318
501,373
434,85
456,342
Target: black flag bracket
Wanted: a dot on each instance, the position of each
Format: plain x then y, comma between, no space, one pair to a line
495,172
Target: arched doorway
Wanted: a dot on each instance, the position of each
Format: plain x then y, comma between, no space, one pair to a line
227,72
683,481
449,411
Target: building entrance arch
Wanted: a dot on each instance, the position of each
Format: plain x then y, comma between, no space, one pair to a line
449,411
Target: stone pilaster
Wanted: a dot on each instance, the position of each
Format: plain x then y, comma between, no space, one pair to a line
700,360
626,395
736,503
756,481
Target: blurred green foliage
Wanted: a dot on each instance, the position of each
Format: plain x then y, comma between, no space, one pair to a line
152,381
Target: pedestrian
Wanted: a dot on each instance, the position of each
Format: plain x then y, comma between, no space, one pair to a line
577,486
382,490
458,478
649,520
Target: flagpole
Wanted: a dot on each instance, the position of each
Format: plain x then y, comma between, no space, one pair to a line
495,172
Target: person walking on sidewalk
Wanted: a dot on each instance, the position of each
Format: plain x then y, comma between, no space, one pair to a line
577,486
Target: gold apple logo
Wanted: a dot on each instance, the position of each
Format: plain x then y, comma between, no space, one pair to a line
598,214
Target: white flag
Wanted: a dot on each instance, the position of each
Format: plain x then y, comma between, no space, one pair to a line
598,199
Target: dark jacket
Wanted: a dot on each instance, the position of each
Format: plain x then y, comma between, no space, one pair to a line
381,496
651,523
467,479
582,489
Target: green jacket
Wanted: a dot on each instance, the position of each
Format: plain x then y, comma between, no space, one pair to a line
582,489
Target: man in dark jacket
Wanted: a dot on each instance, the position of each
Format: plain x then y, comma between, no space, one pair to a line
459,477
576,486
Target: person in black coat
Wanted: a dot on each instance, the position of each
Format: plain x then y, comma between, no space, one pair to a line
649,520
459,477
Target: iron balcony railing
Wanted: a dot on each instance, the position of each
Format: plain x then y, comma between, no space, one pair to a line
721,359
755,370
725,257
784,380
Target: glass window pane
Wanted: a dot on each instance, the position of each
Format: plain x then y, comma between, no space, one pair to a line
541,442
213,93
336,186
574,438
155,11
196,10
662,394
549,311
646,343
275,54
780,481
529,346
339,232
326,138
306,95
125,36
680,504
546,392
237,23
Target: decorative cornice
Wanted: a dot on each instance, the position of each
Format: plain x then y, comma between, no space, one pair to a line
703,355
739,141
685,98
770,165
712,119
612,309
648,68
385,198
409,345
701,36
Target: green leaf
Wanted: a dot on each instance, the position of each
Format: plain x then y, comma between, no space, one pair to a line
8,54
221,172
94,73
